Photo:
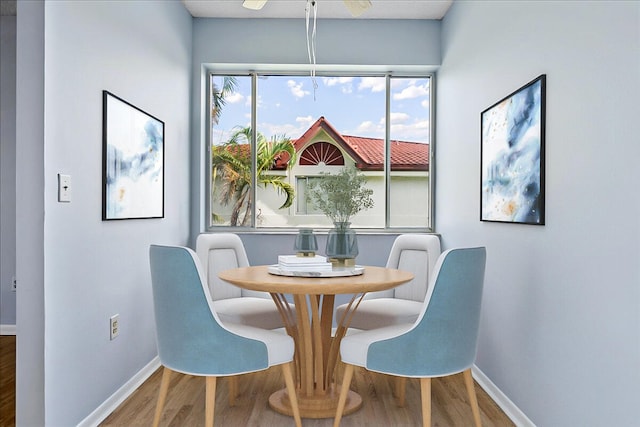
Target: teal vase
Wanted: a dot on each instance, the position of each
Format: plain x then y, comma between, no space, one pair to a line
342,245
306,243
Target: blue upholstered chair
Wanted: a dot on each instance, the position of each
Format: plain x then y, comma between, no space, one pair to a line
192,340
415,253
441,342
224,251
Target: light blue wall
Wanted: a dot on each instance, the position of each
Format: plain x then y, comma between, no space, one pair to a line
338,41
281,43
560,332
560,322
90,269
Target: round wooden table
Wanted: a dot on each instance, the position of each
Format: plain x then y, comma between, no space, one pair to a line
317,351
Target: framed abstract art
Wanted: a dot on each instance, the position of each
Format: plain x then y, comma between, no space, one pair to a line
512,156
133,161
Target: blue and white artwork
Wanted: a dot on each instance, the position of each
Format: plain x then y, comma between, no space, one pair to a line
513,157
133,161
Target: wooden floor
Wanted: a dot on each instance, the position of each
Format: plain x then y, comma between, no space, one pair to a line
7,380
185,402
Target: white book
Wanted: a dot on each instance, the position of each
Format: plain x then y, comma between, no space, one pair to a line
319,267
297,260
305,264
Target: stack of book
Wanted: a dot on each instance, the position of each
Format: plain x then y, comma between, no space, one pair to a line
296,263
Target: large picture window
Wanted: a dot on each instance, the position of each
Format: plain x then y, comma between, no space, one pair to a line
305,128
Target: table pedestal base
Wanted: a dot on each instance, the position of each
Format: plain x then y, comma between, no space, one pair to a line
322,406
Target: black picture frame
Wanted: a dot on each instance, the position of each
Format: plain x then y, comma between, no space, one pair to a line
133,161
512,156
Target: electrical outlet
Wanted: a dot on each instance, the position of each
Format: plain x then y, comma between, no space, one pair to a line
14,284
114,326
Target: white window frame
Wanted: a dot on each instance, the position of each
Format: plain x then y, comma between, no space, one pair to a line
254,72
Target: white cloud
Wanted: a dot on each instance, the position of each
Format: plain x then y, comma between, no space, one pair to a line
417,131
234,98
366,128
296,89
397,82
412,91
376,84
345,83
305,121
332,81
422,124
402,128
399,118
290,130
286,129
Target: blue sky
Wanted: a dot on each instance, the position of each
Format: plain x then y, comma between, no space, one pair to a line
353,105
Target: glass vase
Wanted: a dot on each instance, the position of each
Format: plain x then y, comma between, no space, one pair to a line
342,245
306,243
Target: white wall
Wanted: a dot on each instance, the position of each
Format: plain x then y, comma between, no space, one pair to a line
560,331
140,51
7,170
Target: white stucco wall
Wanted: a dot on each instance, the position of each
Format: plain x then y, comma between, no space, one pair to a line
409,197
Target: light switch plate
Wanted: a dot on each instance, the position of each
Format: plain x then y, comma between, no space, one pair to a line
64,188
114,326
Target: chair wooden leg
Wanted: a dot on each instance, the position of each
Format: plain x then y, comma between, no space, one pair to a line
338,370
425,391
210,401
401,386
473,400
164,388
233,389
287,370
344,390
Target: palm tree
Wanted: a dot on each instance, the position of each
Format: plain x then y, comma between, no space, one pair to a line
218,95
231,171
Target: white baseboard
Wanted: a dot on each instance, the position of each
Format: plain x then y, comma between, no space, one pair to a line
510,409
110,405
7,329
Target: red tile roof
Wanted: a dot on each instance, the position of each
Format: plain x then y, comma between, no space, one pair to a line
368,153
404,155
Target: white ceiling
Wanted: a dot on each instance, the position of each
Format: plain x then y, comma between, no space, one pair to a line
381,9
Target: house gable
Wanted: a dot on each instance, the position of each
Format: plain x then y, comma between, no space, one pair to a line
367,153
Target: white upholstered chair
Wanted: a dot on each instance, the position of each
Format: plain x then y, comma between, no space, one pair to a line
416,253
224,251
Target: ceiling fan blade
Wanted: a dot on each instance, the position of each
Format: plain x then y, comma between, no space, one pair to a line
253,4
357,7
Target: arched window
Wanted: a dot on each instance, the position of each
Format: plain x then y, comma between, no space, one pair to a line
321,152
